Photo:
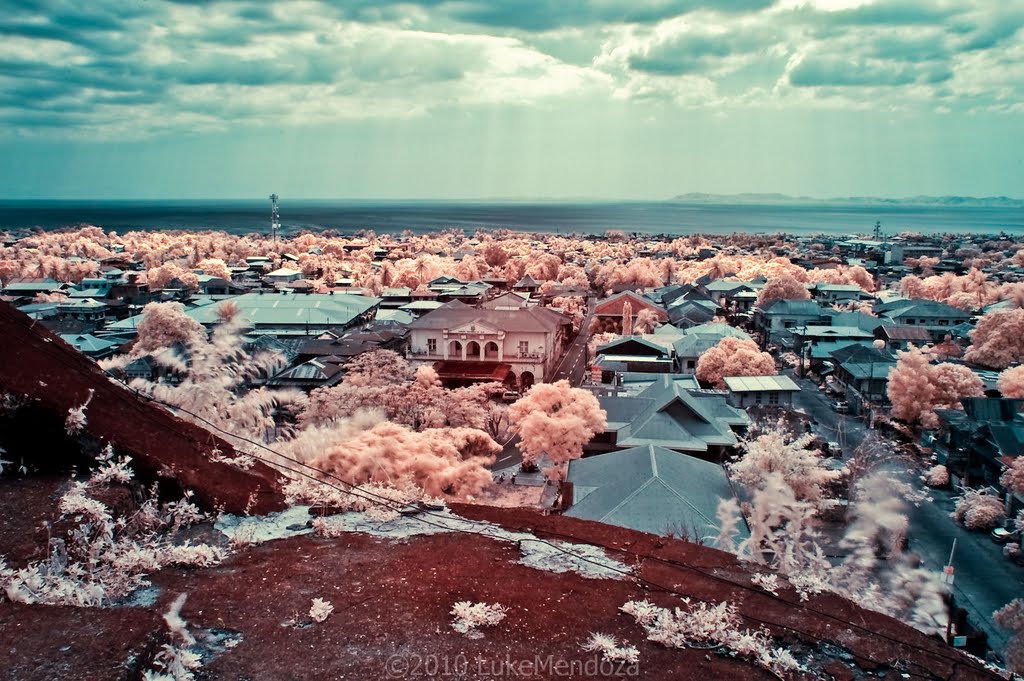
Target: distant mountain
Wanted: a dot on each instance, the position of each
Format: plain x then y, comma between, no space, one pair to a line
769,199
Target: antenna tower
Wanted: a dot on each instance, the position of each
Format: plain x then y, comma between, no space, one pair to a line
878,231
275,219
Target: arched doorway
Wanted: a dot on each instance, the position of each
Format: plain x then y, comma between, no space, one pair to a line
472,350
491,351
526,380
510,380
455,349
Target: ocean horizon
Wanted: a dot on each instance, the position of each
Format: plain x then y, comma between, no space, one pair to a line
566,217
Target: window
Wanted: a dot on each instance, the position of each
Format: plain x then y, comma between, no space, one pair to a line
773,398
524,347
691,364
758,397
432,345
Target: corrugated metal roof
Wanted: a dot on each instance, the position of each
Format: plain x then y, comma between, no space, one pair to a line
738,384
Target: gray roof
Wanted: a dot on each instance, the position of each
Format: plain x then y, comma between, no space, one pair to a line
269,310
455,314
833,332
801,308
668,415
650,489
744,384
701,338
922,308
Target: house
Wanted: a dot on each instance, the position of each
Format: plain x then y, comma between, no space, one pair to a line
721,291
974,444
631,353
938,318
899,252
526,285
900,337
862,373
836,293
392,298
668,414
776,320
282,275
651,489
90,345
698,340
520,345
321,372
761,391
608,312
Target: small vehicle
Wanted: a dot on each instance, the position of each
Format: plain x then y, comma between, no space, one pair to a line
509,396
1001,535
835,449
840,407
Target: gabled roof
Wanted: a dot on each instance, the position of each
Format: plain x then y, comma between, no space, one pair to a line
832,332
651,489
88,343
631,345
922,308
701,338
613,305
455,314
527,281
668,415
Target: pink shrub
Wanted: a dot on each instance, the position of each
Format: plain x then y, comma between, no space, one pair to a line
978,510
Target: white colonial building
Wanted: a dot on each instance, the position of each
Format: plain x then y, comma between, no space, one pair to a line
469,344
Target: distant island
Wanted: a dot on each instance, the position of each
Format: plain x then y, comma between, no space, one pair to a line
772,198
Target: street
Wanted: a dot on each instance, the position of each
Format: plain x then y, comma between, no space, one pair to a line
573,364
984,579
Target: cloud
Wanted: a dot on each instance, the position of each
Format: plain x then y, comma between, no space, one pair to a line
836,72
117,68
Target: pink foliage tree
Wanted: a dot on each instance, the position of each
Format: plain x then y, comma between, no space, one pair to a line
1012,478
916,387
1011,382
164,324
998,340
783,287
556,419
733,357
215,267
978,510
160,277
440,461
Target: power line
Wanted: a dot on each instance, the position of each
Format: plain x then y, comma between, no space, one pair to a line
384,501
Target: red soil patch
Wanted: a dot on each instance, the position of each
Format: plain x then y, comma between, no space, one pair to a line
392,600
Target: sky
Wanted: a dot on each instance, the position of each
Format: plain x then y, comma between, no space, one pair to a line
518,99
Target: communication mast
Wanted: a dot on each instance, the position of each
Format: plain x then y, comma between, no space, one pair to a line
275,219
878,231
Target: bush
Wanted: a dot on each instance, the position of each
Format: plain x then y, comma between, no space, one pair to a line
978,510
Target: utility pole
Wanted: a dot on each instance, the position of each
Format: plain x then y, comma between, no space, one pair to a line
275,219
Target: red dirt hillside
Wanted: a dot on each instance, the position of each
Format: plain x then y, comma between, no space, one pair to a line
38,364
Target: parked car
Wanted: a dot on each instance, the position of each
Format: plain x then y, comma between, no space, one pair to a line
1001,535
835,449
509,396
840,406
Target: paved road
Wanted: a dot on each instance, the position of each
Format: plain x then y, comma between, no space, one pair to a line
510,456
573,365
985,580
831,426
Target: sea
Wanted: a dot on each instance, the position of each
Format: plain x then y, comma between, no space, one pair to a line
576,218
